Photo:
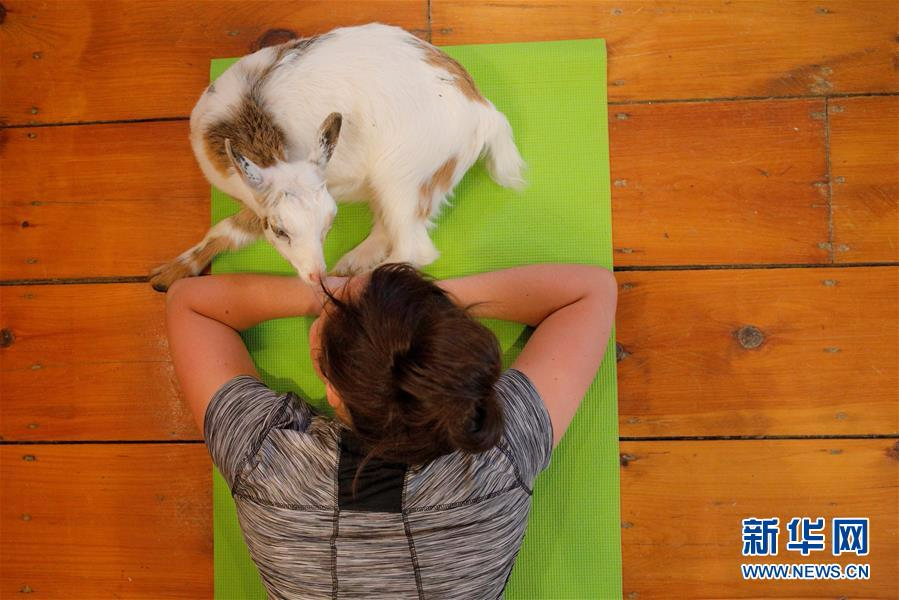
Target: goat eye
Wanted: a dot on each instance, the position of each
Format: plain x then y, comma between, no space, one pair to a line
280,233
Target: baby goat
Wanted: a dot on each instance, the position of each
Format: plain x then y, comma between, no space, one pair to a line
410,121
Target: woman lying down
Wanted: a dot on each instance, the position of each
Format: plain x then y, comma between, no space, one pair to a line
420,484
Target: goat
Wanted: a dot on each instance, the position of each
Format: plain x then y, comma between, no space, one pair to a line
410,121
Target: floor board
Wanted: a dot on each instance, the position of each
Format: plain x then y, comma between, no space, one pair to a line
106,521
67,61
133,521
665,50
722,183
682,506
702,353
864,154
726,183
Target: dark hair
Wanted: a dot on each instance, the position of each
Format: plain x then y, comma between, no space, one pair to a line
414,371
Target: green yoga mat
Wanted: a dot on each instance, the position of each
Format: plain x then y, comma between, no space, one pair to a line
554,94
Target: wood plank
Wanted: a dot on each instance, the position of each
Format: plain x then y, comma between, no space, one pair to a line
106,521
719,183
864,157
682,505
754,167
99,60
103,352
112,519
118,400
758,352
53,325
826,364
100,200
702,48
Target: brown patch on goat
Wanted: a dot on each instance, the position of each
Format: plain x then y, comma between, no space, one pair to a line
163,276
250,126
436,57
215,246
282,51
253,133
330,130
248,221
303,44
440,181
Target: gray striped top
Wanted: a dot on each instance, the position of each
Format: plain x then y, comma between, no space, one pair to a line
449,528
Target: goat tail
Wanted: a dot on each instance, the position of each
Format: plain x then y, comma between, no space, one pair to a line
503,160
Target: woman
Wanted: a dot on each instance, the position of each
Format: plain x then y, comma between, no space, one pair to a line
421,485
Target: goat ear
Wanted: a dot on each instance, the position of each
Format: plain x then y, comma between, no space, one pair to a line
247,169
327,139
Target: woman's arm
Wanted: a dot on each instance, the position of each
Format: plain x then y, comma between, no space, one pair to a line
525,294
573,309
204,315
242,300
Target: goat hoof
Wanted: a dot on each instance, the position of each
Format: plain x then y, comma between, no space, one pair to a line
163,276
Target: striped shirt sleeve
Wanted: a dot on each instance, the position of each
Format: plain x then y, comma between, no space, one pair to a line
529,430
238,418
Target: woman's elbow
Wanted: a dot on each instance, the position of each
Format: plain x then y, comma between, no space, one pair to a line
605,285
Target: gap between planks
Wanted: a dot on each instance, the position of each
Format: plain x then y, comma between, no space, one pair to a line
615,103
621,269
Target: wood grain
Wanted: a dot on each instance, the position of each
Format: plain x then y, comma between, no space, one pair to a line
823,359
864,156
693,183
88,362
99,60
106,521
719,183
134,520
116,400
54,325
758,352
57,69
702,48
101,200
682,506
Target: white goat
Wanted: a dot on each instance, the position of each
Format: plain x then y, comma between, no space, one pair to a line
411,122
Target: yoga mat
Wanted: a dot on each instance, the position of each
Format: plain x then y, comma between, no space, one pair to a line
554,94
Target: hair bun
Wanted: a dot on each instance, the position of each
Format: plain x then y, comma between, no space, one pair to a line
478,429
477,420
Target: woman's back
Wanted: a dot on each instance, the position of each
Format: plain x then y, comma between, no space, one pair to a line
450,527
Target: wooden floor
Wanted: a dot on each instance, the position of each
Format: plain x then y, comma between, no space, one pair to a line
754,166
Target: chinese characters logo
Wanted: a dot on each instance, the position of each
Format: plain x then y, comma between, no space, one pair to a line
805,535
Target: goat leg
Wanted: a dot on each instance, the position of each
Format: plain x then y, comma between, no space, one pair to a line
231,233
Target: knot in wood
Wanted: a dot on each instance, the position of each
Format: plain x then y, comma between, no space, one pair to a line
750,337
6,338
893,451
620,352
273,37
626,459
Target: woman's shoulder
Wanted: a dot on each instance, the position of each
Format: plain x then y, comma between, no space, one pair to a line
527,427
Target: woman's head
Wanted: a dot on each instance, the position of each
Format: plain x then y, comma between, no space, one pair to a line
413,372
